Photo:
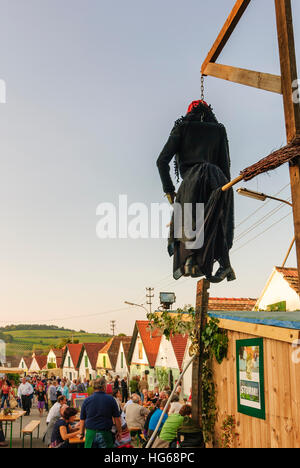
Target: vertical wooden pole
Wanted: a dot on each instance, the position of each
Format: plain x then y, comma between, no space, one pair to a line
289,77
201,318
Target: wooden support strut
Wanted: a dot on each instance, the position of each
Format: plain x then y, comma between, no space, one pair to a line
289,76
200,322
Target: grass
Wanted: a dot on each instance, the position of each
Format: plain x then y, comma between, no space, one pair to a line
27,341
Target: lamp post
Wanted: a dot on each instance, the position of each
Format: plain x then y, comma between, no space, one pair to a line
263,197
136,305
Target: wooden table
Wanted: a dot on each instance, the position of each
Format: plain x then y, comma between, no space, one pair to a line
11,419
77,441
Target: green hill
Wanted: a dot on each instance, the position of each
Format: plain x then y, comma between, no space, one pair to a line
24,342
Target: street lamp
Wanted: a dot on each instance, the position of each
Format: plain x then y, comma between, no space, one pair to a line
262,197
136,305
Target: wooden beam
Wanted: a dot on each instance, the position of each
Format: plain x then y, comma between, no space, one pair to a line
286,335
200,321
255,79
289,76
225,34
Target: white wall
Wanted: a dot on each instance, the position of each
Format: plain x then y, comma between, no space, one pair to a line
166,355
51,358
24,366
121,371
135,356
34,367
83,370
279,290
69,372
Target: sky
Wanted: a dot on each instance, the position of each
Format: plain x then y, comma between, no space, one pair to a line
93,90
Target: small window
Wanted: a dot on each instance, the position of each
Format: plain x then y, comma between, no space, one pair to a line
86,362
122,360
104,362
69,361
140,350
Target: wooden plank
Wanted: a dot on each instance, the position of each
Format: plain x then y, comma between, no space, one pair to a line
202,298
226,32
31,427
265,331
288,65
289,75
254,79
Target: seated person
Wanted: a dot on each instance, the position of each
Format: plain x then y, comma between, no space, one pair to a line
63,431
189,435
156,417
135,414
169,431
175,405
2,437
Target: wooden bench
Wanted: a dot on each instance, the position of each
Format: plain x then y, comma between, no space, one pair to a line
137,433
28,431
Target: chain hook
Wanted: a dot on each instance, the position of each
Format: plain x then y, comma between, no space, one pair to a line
202,88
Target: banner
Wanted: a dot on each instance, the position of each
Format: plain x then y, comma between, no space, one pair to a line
250,377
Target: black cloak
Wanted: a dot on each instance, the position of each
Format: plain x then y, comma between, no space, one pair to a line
202,156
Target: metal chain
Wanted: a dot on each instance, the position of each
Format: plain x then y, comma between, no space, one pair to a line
202,87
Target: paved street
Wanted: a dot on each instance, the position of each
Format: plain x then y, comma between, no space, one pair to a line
36,443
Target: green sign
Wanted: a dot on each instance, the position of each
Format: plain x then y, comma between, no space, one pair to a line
250,377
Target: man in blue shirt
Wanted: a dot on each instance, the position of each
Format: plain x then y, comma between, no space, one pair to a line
98,414
156,417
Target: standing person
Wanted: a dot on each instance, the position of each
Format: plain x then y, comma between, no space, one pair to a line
41,398
117,383
124,388
98,414
6,393
25,391
53,393
66,392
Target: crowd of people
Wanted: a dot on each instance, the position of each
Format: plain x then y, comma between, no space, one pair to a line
114,413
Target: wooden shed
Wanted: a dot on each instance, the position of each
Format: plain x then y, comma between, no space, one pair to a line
259,382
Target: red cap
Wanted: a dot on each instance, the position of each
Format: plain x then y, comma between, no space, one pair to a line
196,104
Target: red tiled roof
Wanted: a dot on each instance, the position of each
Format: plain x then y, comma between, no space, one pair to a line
92,350
112,348
179,343
291,276
41,360
28,361
58,352
75,350
232,303
151,340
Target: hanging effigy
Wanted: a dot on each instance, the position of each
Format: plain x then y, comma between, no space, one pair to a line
200,146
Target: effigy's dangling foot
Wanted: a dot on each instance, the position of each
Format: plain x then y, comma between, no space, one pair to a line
222,274
191,268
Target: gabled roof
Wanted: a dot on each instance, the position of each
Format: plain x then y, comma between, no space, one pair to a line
27,360
92,350
74,350
179,343
291,276
112,348
58,352
151,340
232,303
41,361
126,341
